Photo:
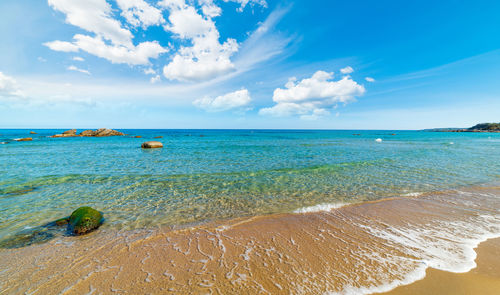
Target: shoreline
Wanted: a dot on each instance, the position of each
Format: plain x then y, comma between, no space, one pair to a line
484,279
361,248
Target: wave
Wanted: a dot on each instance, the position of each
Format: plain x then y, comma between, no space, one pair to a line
320,208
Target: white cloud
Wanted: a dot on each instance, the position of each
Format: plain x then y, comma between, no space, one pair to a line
94,16
244,3
238,100
134,55
207,58
347,70
312,97
111,40
139,13
77,58
149,71
201,55
9,87
62,46
209,8
73,68
370,79
263,44
155,79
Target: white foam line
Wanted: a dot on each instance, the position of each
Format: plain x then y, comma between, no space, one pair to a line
416,275
460,259
320,208
412,194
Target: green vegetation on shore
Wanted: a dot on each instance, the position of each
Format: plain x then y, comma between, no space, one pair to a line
486,127
483,127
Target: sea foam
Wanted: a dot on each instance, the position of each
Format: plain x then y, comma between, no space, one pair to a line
320,208
448,246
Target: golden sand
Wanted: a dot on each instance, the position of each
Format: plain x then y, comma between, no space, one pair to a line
363,248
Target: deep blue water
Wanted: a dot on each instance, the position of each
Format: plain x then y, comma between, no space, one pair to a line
205,175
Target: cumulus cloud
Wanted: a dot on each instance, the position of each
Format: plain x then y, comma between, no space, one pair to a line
94,16
200,54
9,87
312,97
140,13
370,79
206,58
347,70
73,68
238,100
110,41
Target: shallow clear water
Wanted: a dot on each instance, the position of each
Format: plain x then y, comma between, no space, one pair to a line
205,175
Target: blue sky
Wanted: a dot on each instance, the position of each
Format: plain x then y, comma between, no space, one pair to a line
249,64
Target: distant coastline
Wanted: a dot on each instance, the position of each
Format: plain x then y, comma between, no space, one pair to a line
483,127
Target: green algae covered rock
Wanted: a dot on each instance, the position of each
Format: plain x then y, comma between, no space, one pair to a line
84,220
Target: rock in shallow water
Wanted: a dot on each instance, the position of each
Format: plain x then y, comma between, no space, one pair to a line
84,220
70,132
152,145
106,132
24,139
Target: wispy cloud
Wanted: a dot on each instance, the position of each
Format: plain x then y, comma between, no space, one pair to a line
76,69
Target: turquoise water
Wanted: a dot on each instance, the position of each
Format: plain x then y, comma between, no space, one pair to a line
207,175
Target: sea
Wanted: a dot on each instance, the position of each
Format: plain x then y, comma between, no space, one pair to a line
219,179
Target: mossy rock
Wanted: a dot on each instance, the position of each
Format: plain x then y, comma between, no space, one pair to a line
84,220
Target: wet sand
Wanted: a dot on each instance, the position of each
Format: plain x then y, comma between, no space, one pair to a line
484,279
357,249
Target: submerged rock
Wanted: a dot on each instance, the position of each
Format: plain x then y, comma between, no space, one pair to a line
137,136
32,132
84,220
81,221
158,137
17,191
152,145
62,221
27,237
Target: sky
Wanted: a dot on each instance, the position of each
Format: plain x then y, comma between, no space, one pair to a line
249,64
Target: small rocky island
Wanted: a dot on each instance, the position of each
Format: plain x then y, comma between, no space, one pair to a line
102,132
483,127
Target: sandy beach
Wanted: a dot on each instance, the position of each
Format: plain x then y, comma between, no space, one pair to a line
357,249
